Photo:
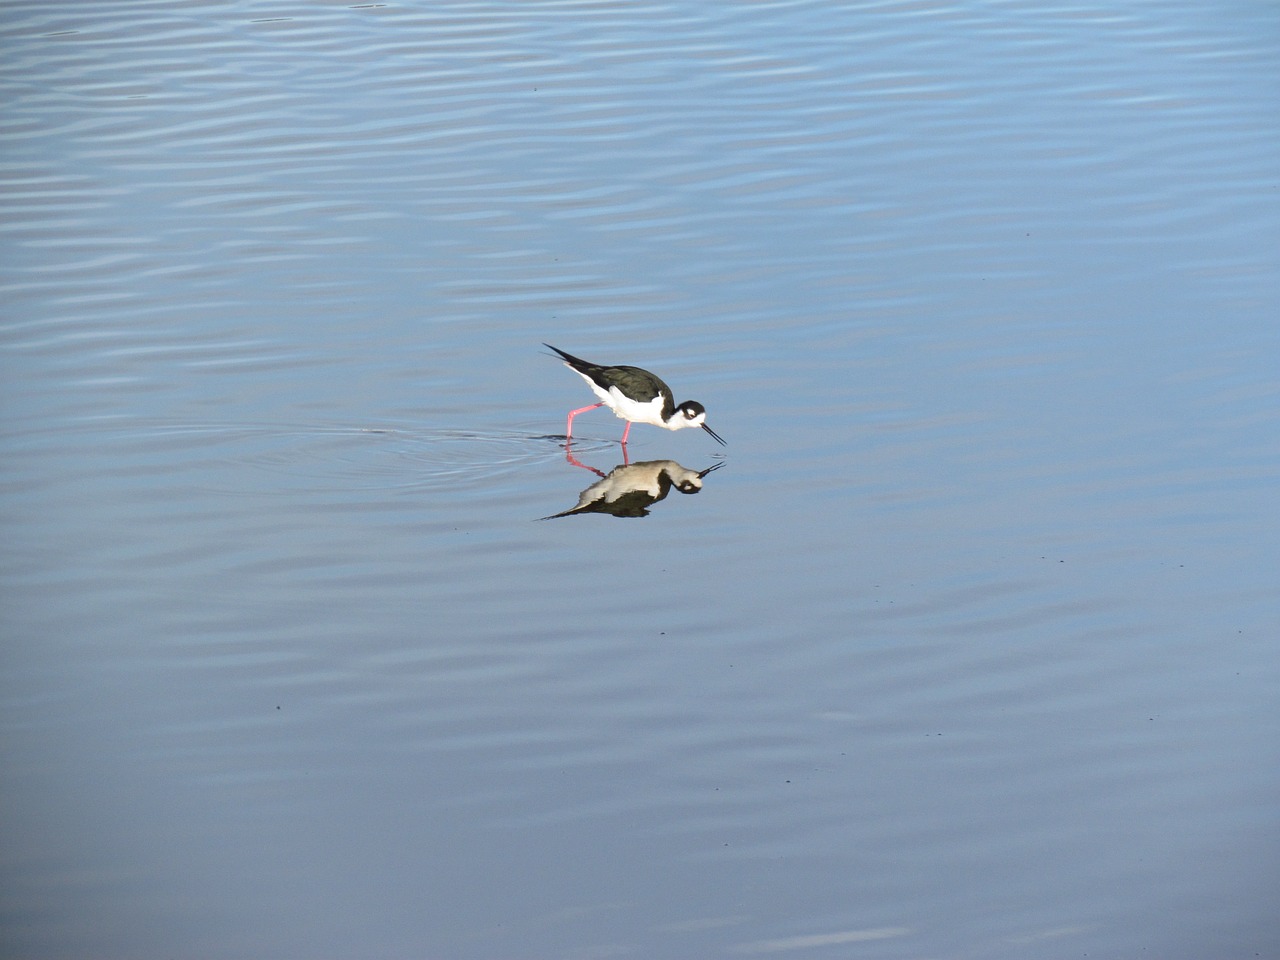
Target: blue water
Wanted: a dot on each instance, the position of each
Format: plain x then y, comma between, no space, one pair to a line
967,647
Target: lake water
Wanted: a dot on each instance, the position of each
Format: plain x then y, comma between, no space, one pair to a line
967,647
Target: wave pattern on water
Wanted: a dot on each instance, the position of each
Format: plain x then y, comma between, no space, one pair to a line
982,296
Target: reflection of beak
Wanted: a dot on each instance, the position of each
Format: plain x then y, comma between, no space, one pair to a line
714,466
714,434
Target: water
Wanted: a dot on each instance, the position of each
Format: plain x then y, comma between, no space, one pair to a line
966,648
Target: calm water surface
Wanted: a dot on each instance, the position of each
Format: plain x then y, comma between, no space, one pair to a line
967,648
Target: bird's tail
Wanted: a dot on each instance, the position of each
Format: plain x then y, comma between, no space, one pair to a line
576,362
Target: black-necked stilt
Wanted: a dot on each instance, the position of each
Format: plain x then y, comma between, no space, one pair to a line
635,395
630,490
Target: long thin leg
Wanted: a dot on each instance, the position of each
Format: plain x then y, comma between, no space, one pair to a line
578,463
568,433
625,432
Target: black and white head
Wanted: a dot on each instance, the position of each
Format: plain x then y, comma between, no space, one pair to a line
687,481
693,414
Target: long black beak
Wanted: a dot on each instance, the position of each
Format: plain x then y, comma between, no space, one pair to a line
715,435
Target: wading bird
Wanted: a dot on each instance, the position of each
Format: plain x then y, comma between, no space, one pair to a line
635,395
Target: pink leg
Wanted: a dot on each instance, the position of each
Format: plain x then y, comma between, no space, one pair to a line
573,413
625,432
577,463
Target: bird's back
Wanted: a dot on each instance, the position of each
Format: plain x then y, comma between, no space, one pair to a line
634,383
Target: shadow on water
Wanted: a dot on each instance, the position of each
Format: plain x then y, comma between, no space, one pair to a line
630,489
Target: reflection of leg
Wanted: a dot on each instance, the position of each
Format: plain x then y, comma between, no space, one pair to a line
568,435
626,459
625,432
574,460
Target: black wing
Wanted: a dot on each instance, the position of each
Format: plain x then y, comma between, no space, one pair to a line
633,382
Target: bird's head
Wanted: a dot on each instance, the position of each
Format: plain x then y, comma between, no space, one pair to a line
693,414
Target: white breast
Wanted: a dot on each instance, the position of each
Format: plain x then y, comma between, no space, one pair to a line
626,408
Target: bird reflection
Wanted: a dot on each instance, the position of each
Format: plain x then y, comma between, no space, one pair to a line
631,488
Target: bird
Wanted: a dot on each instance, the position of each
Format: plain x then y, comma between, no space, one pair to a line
635,395
631,489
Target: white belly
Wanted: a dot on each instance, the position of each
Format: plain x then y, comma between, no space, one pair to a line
626,408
